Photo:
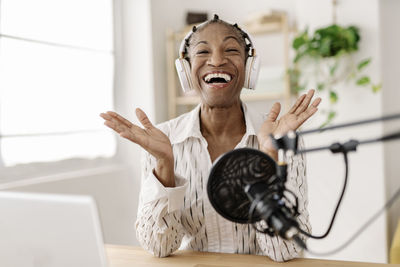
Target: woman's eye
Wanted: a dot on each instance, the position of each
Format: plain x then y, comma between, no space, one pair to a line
202,52
232,50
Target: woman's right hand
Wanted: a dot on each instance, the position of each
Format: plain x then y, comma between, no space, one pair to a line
150,138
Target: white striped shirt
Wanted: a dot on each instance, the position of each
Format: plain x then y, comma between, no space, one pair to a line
182,217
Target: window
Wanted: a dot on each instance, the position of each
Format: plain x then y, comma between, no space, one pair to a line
56,76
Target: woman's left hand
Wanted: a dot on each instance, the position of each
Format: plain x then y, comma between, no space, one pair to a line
291,121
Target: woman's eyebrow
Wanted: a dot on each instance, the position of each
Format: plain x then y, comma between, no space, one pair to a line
229,37
201,42
225,39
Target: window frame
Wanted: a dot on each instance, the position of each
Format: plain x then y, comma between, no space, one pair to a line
70,167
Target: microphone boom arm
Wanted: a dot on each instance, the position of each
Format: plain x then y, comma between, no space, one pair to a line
350,145
289,142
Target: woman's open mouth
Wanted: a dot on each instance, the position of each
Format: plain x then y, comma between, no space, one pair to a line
217,79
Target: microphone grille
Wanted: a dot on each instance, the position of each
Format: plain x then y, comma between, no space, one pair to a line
228,178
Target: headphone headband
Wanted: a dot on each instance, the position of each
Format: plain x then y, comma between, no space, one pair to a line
185,41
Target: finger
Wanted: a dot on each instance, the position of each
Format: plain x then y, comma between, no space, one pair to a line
307,114
316,102
136,138
144,120
297,104
114,126
120,118
134,134
105,116
304,105
274,112
114,123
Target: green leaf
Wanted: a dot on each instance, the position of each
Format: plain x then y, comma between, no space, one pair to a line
365,80
298,42
333,69
320,86
350,37
325,47
329,118
363,64
376,88
297,58
333,97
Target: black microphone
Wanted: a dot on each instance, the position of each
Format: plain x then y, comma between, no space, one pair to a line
247,186
244,186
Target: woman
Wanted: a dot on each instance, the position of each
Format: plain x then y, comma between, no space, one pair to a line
174,210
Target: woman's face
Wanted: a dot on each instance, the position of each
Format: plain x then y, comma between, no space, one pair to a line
217,65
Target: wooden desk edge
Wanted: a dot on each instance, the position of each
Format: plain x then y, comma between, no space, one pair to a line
121,255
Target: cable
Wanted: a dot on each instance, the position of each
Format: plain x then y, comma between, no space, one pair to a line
388,204
337,205
256,201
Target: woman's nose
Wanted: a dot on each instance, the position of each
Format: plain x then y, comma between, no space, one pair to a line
217,59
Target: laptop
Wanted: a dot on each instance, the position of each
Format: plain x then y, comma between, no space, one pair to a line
48,230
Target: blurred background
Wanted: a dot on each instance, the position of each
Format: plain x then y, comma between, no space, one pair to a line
64,62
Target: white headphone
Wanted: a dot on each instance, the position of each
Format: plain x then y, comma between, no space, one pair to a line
183,65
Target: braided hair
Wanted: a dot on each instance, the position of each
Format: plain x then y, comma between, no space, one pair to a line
243,37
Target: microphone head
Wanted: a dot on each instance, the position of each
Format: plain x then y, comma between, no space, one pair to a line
228,178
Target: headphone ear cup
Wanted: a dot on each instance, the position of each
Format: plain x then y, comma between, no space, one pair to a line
183,69
252,71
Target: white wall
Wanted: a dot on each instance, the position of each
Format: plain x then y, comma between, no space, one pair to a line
389,10
366,192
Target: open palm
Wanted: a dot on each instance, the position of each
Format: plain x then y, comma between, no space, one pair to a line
291,121
150,138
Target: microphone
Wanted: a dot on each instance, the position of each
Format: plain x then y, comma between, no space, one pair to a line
245,186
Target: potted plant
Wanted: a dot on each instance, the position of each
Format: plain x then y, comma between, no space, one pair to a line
326,59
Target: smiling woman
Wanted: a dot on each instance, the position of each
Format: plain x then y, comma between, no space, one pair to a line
174,211
214,45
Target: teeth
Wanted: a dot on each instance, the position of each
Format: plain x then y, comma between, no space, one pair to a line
225,76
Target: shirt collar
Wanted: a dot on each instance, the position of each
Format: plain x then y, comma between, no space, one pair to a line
188,125
250,129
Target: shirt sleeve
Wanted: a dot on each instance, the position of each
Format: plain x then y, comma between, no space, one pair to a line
277,248
158,225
